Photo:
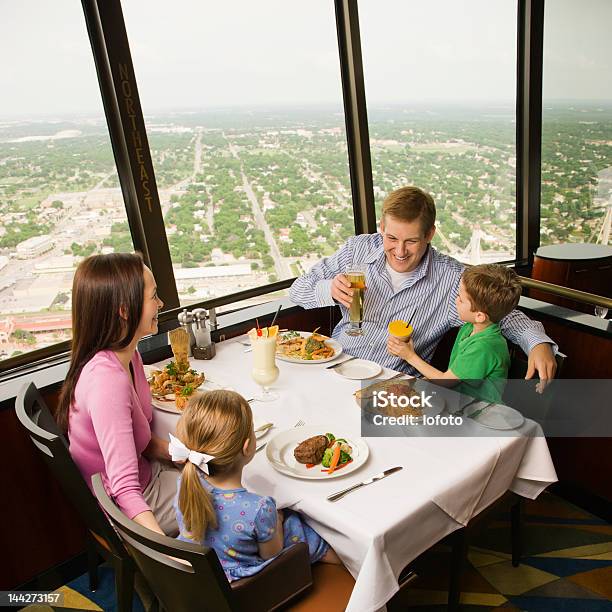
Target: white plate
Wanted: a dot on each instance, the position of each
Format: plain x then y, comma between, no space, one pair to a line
358,369
168,405
436,400
496,416
330,342
279,452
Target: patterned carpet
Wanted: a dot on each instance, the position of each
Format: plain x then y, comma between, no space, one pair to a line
566,566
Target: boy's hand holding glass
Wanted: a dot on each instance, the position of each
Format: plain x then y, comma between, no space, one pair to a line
401,348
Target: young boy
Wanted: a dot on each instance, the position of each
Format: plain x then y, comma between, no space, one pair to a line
487,293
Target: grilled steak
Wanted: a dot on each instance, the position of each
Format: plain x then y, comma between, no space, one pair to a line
311,450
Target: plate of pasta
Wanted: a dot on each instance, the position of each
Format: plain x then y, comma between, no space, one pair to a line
306,347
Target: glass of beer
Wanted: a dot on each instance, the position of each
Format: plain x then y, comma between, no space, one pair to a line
356,276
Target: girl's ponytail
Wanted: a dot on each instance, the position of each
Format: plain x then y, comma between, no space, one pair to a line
196,504
217,423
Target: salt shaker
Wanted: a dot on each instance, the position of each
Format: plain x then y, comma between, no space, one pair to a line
185,318
204,346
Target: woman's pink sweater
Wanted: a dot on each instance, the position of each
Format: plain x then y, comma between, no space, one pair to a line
109,428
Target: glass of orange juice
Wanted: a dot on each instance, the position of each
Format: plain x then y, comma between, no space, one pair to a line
356,276
400,329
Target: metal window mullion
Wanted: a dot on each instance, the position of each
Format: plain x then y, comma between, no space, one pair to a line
126,125
529,126
355,115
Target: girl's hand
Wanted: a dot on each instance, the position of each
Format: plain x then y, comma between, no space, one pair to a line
399,348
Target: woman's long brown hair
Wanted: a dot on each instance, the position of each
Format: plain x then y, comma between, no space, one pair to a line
103,286
217,423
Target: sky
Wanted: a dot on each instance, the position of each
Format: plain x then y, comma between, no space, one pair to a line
207,54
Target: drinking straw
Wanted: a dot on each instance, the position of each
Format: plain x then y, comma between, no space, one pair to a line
275,316
410,320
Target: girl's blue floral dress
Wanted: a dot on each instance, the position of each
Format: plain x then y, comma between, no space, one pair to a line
243,520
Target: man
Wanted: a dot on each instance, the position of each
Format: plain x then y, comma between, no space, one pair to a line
406,278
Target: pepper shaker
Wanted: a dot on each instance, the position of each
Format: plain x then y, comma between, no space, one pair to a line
204,346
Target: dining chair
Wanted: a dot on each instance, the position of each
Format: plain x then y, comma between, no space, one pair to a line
186,577
288,583
102,539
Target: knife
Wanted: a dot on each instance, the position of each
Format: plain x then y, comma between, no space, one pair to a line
335,496
331,367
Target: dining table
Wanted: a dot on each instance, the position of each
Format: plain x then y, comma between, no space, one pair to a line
379,529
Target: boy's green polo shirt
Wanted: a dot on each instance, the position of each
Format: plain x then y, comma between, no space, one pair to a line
481,357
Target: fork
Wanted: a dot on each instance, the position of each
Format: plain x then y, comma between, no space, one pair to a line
300,423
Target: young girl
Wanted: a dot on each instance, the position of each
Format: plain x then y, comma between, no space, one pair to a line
216,439
105,403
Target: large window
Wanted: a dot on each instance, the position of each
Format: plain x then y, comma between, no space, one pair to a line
243,107
440,83
576,196
59,193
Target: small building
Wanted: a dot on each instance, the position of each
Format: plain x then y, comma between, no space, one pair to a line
33,247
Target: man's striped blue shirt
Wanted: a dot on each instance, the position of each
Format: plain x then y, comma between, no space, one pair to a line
428,294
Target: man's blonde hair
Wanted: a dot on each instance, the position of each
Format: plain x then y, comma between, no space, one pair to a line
217,423
410,203
492,289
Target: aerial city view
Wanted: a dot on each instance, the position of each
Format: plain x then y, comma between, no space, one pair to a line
251,197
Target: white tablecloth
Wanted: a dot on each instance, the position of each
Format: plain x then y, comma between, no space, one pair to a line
379,529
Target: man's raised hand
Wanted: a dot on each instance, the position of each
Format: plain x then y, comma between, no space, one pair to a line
341,290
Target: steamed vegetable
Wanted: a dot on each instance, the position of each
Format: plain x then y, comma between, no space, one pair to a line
335,458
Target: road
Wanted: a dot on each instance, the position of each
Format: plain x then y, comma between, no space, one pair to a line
282,268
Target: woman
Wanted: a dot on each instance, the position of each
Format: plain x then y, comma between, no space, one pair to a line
105,403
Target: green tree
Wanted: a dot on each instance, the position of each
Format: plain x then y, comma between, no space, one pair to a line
22,335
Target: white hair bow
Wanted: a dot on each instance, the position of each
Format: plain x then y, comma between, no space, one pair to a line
179,452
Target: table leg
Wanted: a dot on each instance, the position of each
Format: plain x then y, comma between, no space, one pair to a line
458,556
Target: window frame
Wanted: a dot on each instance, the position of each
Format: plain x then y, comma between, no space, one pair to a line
110,47
529,60
119,90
